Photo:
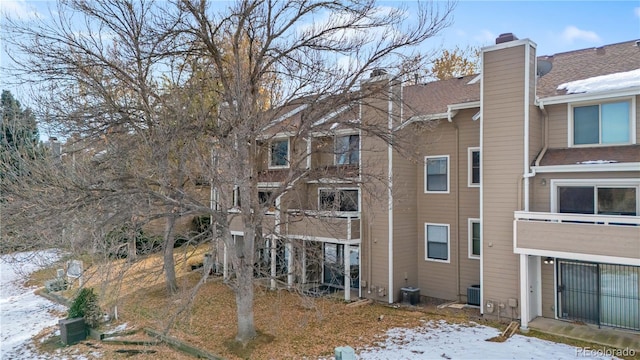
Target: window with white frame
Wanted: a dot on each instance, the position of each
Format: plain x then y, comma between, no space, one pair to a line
436,174
436,242
474,167
603,123
474,238
236,197
338,200
347,150
601,199
279,153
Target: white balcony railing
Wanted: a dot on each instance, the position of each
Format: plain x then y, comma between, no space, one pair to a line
615,220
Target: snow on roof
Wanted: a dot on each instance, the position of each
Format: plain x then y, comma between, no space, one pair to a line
591,162
614,81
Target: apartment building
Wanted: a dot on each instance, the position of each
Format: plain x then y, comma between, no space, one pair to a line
516,190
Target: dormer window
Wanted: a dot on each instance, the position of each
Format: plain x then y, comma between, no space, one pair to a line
279,153
602,124
347,150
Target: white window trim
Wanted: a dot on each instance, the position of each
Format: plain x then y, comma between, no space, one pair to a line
632,120
236,197
339,189
448,174
470,152
471,221
335,152
271,166
622,183
426,243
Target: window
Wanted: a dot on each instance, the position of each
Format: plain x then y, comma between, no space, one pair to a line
236,196
474,167
266,199
347,150
474,238
606,123
338,200
279,153
598,199
437,242
436,174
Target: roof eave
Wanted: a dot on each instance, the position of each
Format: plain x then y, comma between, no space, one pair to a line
626,166
561,99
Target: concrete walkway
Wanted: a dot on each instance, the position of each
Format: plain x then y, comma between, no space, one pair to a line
615,338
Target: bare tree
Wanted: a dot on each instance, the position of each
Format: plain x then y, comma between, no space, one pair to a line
164,93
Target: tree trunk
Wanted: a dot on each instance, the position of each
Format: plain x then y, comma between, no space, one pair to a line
167,249
244,303
244,261
132,252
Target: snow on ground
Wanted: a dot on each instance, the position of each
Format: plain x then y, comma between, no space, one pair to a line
23,314
440,340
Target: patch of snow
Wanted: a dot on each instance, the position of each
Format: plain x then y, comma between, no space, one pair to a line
23,314
441,340
334,125
615,81
117,329
588,162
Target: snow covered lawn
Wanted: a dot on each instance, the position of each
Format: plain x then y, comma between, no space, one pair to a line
23,314
440,340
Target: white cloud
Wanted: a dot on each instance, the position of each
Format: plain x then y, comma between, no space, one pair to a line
18,9
485,37
572,33
637,11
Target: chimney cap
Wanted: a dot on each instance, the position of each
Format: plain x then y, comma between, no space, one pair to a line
378,72
506,37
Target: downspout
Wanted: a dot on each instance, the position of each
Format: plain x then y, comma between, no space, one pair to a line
527,173
457,221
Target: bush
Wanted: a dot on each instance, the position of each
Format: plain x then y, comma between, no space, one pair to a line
201,224
85,305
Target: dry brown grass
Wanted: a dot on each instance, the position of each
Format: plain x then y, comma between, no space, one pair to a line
291,326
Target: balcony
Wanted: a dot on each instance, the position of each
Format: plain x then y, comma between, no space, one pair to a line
323,225
587,237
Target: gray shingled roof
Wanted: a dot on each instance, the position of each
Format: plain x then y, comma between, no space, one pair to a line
433,97
587,63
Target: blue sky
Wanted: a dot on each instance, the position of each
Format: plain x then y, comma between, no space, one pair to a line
555,26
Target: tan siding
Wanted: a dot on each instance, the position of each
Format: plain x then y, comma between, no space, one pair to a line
558,125
548,291
375,219
296,198
579,238
438,279
322,148
503,113
469,200
405,236
235,223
